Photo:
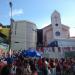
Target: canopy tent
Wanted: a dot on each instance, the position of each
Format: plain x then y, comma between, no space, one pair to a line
31,53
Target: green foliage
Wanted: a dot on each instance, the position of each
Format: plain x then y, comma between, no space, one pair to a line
5,31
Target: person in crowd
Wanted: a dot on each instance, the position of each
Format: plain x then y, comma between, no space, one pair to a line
44,67
19,64
58,68
39,64
5,70
53,66
9,60
13,69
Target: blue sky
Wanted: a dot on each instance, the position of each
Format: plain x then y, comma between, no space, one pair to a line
39,12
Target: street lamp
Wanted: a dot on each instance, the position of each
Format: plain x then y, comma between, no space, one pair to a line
10,4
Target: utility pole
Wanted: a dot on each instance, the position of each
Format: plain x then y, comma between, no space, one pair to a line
10,32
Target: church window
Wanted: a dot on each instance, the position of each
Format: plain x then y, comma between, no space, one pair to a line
57,33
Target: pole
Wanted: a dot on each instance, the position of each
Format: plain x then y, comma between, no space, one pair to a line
10,4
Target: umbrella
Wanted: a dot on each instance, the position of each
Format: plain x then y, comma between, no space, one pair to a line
31,53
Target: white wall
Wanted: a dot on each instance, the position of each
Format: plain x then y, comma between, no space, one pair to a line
24,34
65,32
48,52
66,43
47,34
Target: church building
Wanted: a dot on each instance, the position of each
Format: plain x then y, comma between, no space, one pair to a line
56,35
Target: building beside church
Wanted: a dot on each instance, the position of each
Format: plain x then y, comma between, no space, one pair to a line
23,35
57,36
39,38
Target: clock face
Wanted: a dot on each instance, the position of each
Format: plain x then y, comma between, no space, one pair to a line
57,33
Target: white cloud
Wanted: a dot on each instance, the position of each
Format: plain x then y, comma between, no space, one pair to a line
16,12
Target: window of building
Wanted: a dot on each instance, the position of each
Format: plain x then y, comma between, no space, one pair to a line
57,33
56,24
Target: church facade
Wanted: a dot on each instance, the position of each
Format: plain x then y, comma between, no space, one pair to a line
55,30
56,36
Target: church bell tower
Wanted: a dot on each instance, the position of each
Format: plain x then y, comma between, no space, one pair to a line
56,25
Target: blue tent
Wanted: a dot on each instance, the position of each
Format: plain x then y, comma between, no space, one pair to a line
31,53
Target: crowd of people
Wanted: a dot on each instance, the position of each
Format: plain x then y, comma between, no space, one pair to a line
19,65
